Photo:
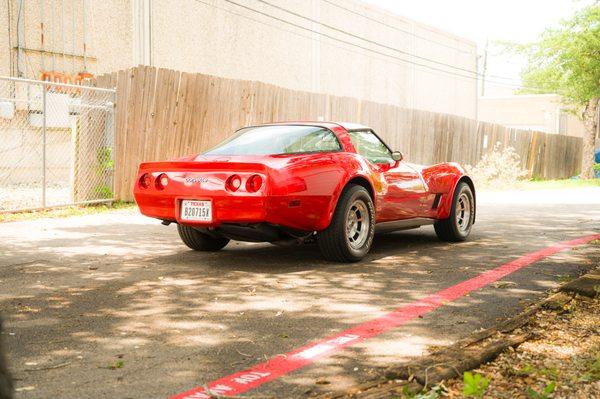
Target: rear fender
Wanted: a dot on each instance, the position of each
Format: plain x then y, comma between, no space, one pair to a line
443,179
362,176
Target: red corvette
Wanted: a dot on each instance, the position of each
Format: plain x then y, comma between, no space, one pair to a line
338,183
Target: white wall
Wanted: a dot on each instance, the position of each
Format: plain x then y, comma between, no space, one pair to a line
539,112
225,40
229,41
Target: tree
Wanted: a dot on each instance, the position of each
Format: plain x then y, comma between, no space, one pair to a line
566,61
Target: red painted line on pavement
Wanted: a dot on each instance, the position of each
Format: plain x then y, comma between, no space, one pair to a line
280,365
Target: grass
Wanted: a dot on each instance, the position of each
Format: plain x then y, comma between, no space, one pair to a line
65,212
564,183
546,184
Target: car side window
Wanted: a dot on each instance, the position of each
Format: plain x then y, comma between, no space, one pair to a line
369,146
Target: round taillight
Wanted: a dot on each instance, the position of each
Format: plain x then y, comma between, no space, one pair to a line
254,183
162,181
233,183
145,180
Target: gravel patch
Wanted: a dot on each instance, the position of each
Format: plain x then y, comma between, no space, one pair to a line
17,197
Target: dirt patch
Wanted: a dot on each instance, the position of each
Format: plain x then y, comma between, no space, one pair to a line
561,361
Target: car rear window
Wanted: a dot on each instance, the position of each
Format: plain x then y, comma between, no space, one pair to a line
278,139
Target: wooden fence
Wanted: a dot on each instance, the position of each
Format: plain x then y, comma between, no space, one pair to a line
161,114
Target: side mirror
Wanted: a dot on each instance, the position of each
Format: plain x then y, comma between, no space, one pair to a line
397,156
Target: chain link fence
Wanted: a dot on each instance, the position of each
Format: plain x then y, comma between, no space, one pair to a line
56,144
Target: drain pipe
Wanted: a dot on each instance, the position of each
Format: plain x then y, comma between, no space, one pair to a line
73,26
20,40
62,34
84,28
42,44
53,28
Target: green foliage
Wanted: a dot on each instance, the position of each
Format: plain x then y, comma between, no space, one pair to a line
592,368
545,394
105,161
104,191
597,167
433,393
528,369
475,385
550,373
566,59
119,364
105,164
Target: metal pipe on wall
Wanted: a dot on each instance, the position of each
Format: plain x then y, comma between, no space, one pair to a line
62,35
73,26
8,26
42,44
52,25
84,36
44,117
20,40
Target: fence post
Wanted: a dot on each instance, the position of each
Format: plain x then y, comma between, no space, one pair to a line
44,117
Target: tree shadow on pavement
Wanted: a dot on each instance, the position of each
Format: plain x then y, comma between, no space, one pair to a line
125,310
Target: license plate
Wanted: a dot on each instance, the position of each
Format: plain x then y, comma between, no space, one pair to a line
196,211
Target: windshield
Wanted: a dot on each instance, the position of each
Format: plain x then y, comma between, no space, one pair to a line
273,140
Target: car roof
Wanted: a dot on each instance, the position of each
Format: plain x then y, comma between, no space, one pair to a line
353,126
329,125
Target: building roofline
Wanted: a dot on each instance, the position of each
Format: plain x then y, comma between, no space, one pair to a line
431,28
519,96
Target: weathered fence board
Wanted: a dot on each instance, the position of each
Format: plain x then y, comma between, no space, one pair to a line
163,114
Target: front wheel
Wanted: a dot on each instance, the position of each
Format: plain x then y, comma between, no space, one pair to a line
458,226
199,241
350,233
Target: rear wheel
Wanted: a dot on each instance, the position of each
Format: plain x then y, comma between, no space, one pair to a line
350,233
199,241
458,226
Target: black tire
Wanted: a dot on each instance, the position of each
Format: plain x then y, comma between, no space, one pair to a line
334,242
455,229
199,241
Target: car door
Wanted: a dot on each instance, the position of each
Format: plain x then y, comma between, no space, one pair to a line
403,190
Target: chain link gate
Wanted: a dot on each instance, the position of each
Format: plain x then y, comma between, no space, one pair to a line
57,144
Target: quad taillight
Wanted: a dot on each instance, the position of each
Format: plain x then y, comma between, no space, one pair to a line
254,183
233,182
145,180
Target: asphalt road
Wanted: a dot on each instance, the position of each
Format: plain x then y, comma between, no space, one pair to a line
114,306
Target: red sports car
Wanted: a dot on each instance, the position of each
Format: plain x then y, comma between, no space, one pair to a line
338,183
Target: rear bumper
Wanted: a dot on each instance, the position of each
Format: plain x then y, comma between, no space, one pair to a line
225,209
306,213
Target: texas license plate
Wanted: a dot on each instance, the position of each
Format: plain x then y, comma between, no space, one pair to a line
196,211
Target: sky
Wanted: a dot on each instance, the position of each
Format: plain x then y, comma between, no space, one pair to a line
494,20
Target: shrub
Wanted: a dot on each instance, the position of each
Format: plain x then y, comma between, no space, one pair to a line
499,168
